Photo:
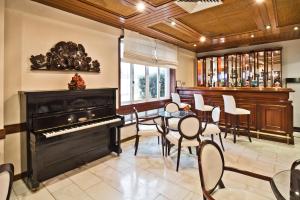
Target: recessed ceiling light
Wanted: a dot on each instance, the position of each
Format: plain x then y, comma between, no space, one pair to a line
268,27
296,28
173,23
194,45
140,7
202,39
252,35
259,1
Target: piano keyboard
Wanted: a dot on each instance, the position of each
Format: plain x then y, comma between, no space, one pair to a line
70,130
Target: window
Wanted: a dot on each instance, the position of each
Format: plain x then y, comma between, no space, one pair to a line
140,83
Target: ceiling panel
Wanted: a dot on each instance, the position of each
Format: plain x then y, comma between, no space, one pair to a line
230,18
172,31
158,2
288,12
118,7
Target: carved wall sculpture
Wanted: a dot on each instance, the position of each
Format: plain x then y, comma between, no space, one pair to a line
65,56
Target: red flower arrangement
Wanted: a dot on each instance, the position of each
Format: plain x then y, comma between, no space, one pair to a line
77,83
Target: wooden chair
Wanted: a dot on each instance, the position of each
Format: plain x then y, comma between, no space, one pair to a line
6,180
211,170
172,123
201,107
176,99
233,112
188,134
211,129
146,128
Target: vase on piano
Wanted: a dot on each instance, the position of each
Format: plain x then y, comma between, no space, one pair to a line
77,83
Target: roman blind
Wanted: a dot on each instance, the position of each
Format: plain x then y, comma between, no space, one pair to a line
144,50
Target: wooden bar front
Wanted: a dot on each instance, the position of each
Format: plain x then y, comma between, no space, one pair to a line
271,110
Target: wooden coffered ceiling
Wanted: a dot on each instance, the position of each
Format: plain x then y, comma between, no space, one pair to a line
234,23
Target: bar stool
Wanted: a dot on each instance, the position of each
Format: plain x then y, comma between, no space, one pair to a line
176,99
231,110
200,106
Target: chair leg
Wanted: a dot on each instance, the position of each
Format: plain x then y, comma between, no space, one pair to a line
220,137
212,137
225,126
190,150
158,139
238,125
204,197
178,156
197,150
169,148
162,145
248,127
234,130
137,138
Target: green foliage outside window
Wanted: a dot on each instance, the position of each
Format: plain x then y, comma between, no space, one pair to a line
152,86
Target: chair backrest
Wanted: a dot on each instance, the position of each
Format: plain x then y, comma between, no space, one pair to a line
159,124
215,114
189,127
199,102
295,164
171,107
6,180
211,165
229,104
176,98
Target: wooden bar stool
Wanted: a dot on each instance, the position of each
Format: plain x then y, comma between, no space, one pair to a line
200,106
233,112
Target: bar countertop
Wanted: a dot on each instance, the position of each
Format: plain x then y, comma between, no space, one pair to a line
239,89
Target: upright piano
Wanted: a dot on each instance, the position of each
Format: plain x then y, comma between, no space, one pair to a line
66,129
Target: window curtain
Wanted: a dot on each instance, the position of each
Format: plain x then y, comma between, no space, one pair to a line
140,49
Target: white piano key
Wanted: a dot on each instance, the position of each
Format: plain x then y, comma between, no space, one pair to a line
65,131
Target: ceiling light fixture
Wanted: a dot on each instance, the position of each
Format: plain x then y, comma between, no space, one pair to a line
194,45
252,35
173,23
296,28
268,27
202,39
259,1
140,7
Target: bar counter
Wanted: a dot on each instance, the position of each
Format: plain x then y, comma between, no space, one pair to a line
271,110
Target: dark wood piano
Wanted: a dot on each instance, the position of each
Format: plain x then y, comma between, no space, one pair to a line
66,129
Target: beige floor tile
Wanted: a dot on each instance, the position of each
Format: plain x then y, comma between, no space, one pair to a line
19,187
71,192
57,183
103,191
85,179
41,194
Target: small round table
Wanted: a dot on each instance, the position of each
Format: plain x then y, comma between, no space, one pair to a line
281,185
164,115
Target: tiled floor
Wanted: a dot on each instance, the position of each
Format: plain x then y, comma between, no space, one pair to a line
150,176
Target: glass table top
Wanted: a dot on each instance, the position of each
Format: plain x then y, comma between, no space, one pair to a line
178,114
282,185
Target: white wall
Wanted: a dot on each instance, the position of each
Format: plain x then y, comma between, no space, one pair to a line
2,5
186,65
290,67
32,28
